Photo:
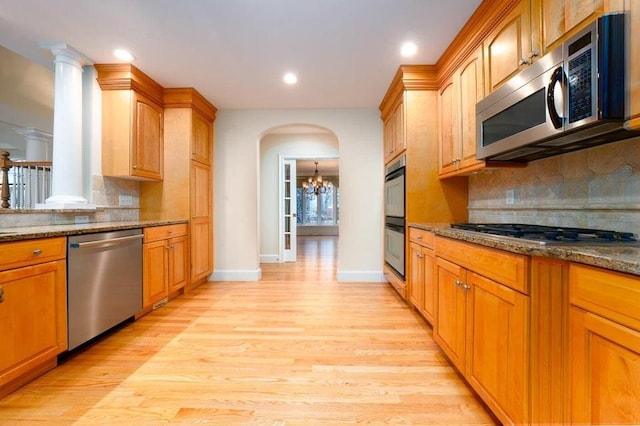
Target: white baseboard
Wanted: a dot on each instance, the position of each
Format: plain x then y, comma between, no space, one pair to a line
269,258
230,275
361,276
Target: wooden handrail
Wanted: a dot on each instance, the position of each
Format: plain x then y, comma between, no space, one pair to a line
6,164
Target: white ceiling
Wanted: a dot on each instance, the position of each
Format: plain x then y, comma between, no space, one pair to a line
235,52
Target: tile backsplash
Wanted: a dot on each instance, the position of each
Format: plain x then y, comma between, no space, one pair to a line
105,192
597,188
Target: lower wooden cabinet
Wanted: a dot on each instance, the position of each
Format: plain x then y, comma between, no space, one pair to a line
604,347
422,282
482,324
33,309
165,255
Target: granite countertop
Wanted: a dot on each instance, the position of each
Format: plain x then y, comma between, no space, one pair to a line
617,257
45,231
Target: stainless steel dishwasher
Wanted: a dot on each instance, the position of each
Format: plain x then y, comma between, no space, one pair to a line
104,282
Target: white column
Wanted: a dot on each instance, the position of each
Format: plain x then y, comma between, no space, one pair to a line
67,176
37,142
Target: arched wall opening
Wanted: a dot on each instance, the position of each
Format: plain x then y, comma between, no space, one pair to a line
293,142
237,174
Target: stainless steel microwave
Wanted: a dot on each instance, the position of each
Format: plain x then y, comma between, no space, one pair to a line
572,98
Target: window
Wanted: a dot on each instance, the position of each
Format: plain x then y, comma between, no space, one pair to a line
321,209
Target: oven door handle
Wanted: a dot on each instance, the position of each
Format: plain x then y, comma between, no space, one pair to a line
394,174
396,228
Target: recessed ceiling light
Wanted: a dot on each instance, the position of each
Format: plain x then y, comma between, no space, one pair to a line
408,48
123,55
290,78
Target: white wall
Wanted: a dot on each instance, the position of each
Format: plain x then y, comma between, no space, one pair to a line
236,198
272,146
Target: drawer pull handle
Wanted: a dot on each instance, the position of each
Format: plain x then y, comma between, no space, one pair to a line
37,252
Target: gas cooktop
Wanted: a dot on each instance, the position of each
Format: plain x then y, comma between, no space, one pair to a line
550,234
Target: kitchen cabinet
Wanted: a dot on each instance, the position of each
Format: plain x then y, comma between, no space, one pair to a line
482,322
510,46
165,257
422,283
428,199
33,309
186,190
560,19
394,135
132,123
604,346
457,113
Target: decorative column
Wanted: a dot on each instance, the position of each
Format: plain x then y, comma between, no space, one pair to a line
67,158
38,143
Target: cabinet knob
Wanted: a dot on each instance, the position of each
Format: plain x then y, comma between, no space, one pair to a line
1,294
525,61
534,54
135,167
419,237
459,283
37,252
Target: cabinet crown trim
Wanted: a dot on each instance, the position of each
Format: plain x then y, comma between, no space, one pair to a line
188,97
128,77
408,77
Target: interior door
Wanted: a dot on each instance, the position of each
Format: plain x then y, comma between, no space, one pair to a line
288,210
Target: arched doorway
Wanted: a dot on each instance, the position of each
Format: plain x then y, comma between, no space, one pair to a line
281,199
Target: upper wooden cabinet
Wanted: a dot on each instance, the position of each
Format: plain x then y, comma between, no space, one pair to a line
510,46
457,113
394,134
132,123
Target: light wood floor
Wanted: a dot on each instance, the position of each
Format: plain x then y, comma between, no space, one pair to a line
296,348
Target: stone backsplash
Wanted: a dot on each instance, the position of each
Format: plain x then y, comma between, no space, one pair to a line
596,188
105,192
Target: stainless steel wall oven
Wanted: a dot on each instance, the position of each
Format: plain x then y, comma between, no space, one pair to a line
394,210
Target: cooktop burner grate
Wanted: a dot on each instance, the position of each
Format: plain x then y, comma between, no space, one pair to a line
548,234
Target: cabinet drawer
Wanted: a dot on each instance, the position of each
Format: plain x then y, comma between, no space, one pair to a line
610,294
156,233
507,268
30,252
422,237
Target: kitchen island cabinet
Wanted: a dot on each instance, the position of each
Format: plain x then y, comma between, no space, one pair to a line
132,123
604,346
33,309
482,322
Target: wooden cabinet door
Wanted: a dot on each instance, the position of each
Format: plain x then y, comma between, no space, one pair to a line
33,317
471,91
430,287
447,114
578,11
201,236
450,326
388,135
497,363
506,46
202,139
399,140
178,263
416,276
147,144
605,370
155,274
552,20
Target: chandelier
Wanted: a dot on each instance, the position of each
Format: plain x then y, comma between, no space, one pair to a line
316,185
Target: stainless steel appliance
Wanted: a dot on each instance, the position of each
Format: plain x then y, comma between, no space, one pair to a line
570,99
394,210
104,282
549,235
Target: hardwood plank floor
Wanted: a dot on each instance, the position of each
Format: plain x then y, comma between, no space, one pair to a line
296,348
